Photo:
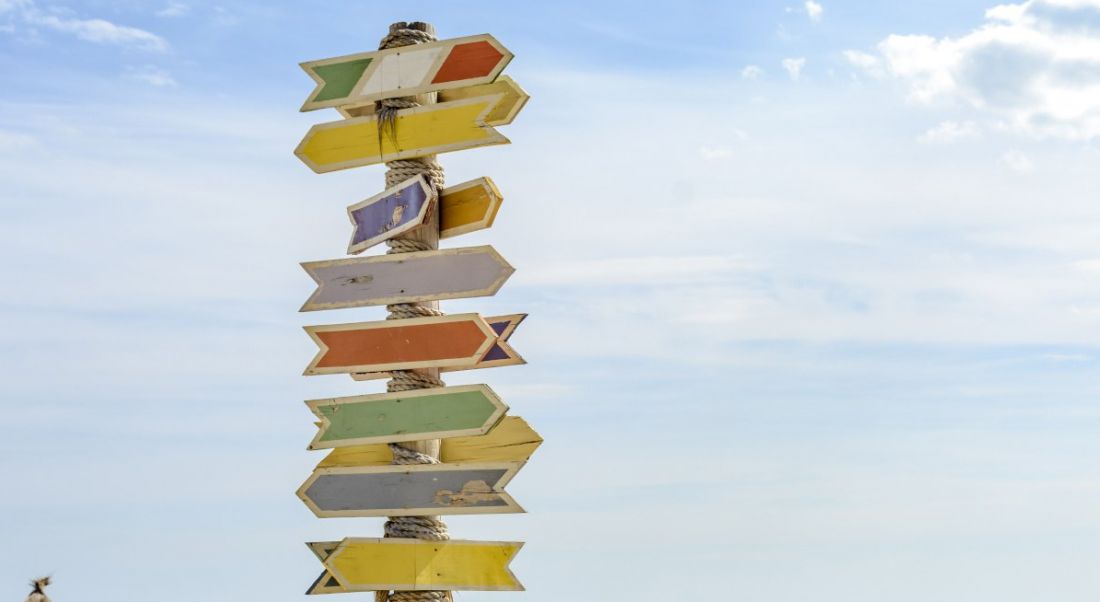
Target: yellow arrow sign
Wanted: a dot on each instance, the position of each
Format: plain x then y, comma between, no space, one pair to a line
373,564
458,124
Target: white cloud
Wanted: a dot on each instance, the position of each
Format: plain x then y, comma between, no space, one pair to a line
99,31
1088,266
869,63
751,72
174,9
154,76
1035,66
814,10
793,67
1017,161
713,153
948,131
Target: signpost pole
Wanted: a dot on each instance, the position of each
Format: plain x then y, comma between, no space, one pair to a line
423,238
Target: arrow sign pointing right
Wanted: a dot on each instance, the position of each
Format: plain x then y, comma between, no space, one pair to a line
467,410
370,564
405,71
406,277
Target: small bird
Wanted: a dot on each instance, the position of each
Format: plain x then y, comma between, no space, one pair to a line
39,595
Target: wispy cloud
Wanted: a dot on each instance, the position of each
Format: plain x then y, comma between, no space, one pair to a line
94,30
149,74
174,9
1018,161
813,10
793,67
751,72
948,131
1031,66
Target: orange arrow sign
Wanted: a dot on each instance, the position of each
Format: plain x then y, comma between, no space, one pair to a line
432,342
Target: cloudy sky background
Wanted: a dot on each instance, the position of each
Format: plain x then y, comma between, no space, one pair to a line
814,295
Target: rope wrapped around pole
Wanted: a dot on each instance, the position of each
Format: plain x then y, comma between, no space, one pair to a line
419,527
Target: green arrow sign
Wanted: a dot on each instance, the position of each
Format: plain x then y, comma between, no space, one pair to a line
467,410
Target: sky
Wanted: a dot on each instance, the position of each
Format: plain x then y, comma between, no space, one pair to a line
814,296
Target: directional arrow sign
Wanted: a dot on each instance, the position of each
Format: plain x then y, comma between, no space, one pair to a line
372,564
407,277
468,207
500,354
432,342
415,132
411,490
390,213
405,71
511,440
406,416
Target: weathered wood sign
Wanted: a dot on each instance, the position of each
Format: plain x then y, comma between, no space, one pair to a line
405,71
415,132
390,213
499,354
411,490
466,410
360,564
432,342
406,277
468,207
511,440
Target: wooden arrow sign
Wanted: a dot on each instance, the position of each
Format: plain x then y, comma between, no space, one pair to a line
390,213
500,354
405,71
406,278
468,207
437,341
374,564
467,410
511,440
411,490
415,132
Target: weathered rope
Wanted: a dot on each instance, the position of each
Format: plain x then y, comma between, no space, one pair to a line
419,527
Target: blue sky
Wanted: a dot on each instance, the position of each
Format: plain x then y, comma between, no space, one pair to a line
814,294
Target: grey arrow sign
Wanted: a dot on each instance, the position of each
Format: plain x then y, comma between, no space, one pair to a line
407,277
411,490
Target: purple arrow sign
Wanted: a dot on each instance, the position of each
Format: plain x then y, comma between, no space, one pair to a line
395,211
407,278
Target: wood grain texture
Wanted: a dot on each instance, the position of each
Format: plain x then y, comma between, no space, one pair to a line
405,71
468,207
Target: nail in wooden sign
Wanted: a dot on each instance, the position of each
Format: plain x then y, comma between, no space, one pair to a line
415,132
390,213
499,354
406,277
466,410
374,564
411,490
405,71
431,342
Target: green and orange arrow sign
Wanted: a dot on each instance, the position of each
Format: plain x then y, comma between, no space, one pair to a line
405,71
